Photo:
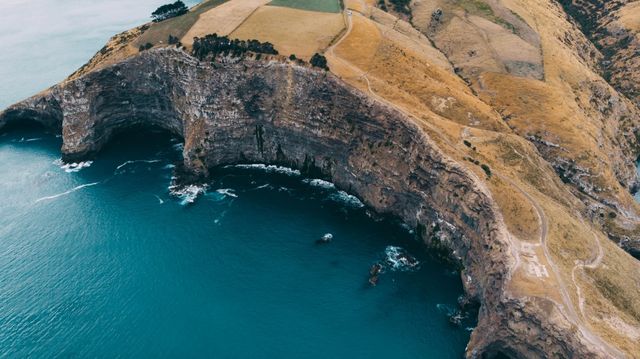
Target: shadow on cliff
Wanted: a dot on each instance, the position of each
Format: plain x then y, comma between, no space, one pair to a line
136,142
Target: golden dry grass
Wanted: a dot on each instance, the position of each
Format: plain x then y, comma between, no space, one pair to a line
223,19
292,31
159,32
478,39
630,16
412,74
407,77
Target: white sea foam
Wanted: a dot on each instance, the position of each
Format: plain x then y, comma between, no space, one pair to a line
67,192
189,193
178,147
398,259
168,167
345,198
227,192
270,169
220,218
159,199
135,161
316,182
72,167
30,139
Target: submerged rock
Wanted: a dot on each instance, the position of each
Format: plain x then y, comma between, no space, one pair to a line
374,274
396,259
326,238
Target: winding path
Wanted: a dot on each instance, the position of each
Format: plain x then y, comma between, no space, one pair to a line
571,312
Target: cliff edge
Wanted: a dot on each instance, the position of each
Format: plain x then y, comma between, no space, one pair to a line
417,132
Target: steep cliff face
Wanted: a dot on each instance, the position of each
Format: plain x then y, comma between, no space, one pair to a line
244,110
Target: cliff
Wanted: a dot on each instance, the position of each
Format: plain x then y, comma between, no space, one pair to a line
519,164
271,112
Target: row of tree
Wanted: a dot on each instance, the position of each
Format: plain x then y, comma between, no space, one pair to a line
169,10
214,45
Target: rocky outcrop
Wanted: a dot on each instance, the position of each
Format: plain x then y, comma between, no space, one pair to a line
247,111
604,22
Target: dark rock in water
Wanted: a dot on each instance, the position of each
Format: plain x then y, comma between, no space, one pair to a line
327,238
398,258
374,273
457,317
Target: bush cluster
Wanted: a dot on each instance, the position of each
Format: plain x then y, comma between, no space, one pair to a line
169,10
214,45
320,61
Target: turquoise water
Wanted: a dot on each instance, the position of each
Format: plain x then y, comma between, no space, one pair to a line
119,267
103,262
43,41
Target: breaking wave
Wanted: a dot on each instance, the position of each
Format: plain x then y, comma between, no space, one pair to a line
227,192
319,183
134,161
188,194
399,259
347,199
72,167
269,169
67,192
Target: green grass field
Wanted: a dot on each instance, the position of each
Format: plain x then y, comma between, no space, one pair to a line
311,5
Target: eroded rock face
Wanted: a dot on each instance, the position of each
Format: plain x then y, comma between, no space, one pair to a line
239,111
609,24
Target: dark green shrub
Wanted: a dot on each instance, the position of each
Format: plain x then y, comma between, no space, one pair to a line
169,10
320,61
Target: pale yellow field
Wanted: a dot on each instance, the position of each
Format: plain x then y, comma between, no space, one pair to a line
292,31
410,73
630,16
223,19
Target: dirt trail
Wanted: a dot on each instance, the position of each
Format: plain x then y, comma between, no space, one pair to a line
568,304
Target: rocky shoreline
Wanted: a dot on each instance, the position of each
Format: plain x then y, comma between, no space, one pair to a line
250,111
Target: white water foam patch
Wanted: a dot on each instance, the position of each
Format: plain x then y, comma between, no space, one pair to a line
189,193
134,161
67,192
316,182
398,259
72,167
229,192
178,147
347,199
30,139
266,185
269,169
160,201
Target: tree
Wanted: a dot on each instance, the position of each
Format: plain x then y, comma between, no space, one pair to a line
173,40
401,6
214,45
320,61
145,47
169,10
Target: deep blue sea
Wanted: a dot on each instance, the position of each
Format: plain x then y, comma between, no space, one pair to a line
102,261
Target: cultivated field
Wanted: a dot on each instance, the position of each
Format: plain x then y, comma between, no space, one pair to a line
311,5
292,31
159,32
223,19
